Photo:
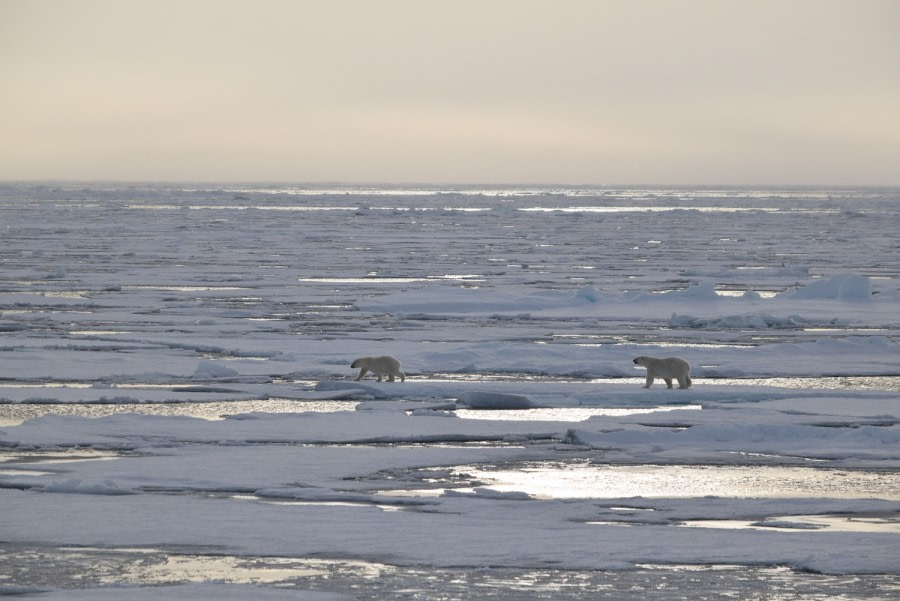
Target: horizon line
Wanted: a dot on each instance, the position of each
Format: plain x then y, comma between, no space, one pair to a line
413,183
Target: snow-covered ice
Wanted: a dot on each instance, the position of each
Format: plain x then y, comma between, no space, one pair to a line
175,381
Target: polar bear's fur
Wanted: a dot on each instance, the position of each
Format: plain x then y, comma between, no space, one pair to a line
380,366
669,368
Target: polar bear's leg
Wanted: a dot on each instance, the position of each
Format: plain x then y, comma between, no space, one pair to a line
390,377
668,382
684,382
362,372
402,377
649,381
378,373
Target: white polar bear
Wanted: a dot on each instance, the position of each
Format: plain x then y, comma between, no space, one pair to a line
668,369
384,365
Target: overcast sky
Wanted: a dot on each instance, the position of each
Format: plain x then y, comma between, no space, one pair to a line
452,91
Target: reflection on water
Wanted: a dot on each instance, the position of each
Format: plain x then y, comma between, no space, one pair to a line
889,383
554,480
648,209
33,457
14,414
98,332
27,385
886,523
163,288
235,570
374,279
18,472
563,414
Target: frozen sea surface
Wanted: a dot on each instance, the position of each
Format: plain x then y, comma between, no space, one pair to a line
177,406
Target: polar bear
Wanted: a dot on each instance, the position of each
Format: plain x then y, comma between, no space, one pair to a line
668,369
384,365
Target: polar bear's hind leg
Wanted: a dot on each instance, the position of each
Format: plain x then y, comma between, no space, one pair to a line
668,382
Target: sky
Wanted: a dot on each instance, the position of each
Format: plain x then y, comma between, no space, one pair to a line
690,92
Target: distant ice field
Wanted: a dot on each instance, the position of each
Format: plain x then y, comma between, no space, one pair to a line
175,372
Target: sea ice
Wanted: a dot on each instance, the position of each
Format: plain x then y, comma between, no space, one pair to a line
122,300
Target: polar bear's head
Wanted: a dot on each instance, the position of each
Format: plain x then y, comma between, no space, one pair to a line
643,361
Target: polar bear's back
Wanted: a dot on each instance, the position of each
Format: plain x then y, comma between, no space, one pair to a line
387,362
675,366
666,367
